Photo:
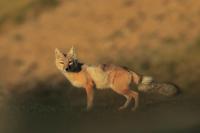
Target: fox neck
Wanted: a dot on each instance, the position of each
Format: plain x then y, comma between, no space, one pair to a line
74,77
73,70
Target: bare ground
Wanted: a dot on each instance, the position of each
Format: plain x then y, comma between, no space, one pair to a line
61,108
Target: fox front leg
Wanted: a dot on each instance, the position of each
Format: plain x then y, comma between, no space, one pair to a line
90,97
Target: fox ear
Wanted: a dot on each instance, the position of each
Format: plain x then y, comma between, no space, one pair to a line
72,53
58,54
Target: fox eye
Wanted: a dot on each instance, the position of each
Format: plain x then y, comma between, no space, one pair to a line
61,62
70,62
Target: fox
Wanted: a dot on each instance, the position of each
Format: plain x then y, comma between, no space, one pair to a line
102,76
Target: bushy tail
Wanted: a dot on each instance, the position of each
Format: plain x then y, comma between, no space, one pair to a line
146,83
149,85
147,80
138,79
168,89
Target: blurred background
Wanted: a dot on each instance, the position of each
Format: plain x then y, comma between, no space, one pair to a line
160,38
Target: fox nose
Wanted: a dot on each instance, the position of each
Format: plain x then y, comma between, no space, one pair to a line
68,68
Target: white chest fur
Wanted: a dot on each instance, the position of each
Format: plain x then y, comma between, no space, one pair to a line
72,79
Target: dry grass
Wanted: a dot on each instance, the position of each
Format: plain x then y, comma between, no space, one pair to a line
160,39
16,12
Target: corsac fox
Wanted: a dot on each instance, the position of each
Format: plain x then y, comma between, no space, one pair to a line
100,77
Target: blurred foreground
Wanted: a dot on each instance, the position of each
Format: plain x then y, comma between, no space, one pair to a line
60,108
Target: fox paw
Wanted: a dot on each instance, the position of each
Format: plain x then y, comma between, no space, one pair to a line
134,108
88,109
121,108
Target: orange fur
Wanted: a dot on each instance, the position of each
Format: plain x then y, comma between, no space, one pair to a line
102,77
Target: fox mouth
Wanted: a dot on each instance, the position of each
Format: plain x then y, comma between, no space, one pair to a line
69,68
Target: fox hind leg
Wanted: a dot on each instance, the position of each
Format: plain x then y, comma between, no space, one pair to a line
129,94
136,98
125,105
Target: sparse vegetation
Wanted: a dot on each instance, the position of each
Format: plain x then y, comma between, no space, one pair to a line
18,37
22,8
169,40
197,41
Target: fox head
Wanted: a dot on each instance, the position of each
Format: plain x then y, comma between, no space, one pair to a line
66,62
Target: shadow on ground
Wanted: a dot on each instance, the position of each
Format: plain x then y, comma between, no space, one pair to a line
59,108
